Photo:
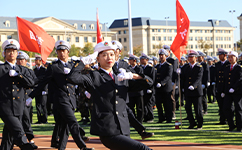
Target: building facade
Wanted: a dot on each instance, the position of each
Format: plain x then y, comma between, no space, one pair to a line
240,28
152,34
77,32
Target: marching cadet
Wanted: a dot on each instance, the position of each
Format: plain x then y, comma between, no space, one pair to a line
215,59
136,98
41,97
205,80
65,99
155,61
148,93
211,87
163,87
191,83
219,67
109,94
232,88
27,114
174,63
124,65
14,78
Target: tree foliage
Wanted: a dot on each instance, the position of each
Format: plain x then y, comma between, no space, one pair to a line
137,50
204,45
87,49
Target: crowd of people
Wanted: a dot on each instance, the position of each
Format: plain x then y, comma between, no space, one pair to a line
113,94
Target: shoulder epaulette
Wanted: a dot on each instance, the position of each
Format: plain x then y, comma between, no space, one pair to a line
76,65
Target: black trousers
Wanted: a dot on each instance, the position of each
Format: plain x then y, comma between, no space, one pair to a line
197,103
134,122
57,129
211,92
41,108
27,124
164,98
122,142
229,109
204,100
13,133
220,101
138,101
148,107
69,123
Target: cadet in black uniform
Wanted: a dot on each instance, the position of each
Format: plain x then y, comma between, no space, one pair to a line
65,99
109,94
26,121
136,98
191,77
232,88
174,63
41,97
211,88
205,80
148,93
14,79
219,66
163,86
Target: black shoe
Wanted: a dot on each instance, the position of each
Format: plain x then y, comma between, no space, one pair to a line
185,118
85,148
168,121
55,145
221,123
85,138
239,130
199,128
34,146
205,113
150,121
145,135
232,128
192,126
26,146
38,122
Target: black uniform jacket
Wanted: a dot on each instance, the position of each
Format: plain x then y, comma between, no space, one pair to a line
122,64
212,71
12,89
206,74
150,72
40,73
63,90
109,115
174,63
219,67
192,76
164,77
233,79
138,70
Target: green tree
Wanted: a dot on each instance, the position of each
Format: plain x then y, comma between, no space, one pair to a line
137,50
87,49
74,51
204,45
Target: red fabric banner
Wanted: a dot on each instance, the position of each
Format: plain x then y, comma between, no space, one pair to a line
99,34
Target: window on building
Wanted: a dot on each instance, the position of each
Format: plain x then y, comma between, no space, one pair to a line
120,40
191,46
216,45
125,40
190,38
201,38
206,38
77,39
68,39
196,46
221,38
153,46
100,26
216,31
164,38
195,38
7,23
211,31
125,22
225,46
85,39
229,38
224,38
158,30
201,31
58,38
92,26
221,46
175,30
119,32
159,38
94,39
83,26
211,38
190,31
196,31
216,38
164,30
206,31
125,48
9,36
124,31
211,46
229,45
170,30
153,30
153,38
229,31
170,38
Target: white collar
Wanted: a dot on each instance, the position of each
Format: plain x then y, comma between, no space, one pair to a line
162,63
223,62
107,71
11,64
64,63
192,65
234,64
134,66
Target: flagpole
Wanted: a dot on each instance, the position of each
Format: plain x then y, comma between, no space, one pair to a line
179,84
130,29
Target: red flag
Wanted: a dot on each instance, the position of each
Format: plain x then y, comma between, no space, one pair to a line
99,34
33,38
181,40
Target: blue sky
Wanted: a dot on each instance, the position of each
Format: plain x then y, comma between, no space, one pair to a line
197,10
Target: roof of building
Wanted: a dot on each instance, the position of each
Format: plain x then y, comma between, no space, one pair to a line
13,23
141,21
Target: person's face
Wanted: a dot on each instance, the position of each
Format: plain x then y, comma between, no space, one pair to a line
132,62
106,59
143,61
199,58
37,62
182,62
63,54
232,59
162,57
10,54
22,62
192,59
210,62
222,57
117,52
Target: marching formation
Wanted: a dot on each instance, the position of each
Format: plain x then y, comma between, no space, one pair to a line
113,94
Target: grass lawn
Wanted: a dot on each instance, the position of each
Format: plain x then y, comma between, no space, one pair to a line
211,133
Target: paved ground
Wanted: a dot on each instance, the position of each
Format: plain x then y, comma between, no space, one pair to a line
43,141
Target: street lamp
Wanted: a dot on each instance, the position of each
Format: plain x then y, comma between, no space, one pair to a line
166,27
232,12
105,29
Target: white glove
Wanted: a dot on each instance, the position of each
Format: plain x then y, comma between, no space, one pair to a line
208,84
178,70
67,70
149,91
28,101
89,59
203,86
182,90
76,86
158,85
12,73
231,90
123,75
172,83
176,87
88,95
44,93
213,83
122,70
191,87
222,95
